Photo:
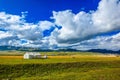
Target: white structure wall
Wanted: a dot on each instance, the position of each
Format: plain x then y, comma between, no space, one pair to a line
32,55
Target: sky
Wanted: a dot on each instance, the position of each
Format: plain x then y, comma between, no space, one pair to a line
42,9
60,24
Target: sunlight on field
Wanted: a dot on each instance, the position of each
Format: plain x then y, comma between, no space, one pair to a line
60,66
72,56
12,57
56,59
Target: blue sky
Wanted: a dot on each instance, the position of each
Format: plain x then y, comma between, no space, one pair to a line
42,9
55,24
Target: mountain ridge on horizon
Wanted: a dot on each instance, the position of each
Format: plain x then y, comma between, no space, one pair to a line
7,48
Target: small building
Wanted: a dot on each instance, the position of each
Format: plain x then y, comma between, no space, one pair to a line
32,55
45,56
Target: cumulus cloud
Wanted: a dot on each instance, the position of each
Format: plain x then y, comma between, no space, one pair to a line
101,42
83,26
75,27
68,30
107,17
14,28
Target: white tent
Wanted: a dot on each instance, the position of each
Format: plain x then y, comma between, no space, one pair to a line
32,55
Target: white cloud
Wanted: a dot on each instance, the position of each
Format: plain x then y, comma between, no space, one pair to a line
83,26
107,17
4,34
101,42
75,27
45,25
14,28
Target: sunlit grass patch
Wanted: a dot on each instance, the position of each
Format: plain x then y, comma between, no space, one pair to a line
61,67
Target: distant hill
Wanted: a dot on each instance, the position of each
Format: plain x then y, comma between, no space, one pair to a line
103,51
5,48
2,48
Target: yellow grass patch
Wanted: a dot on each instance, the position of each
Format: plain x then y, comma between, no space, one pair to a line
12,57
72,56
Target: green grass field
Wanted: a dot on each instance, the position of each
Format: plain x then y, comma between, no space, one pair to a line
82,67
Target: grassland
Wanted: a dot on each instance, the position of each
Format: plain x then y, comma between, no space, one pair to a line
64,66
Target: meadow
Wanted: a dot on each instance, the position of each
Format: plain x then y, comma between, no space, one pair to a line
60,66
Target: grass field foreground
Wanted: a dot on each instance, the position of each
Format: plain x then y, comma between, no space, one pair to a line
69,67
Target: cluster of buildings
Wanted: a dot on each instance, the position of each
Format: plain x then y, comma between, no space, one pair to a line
34,55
